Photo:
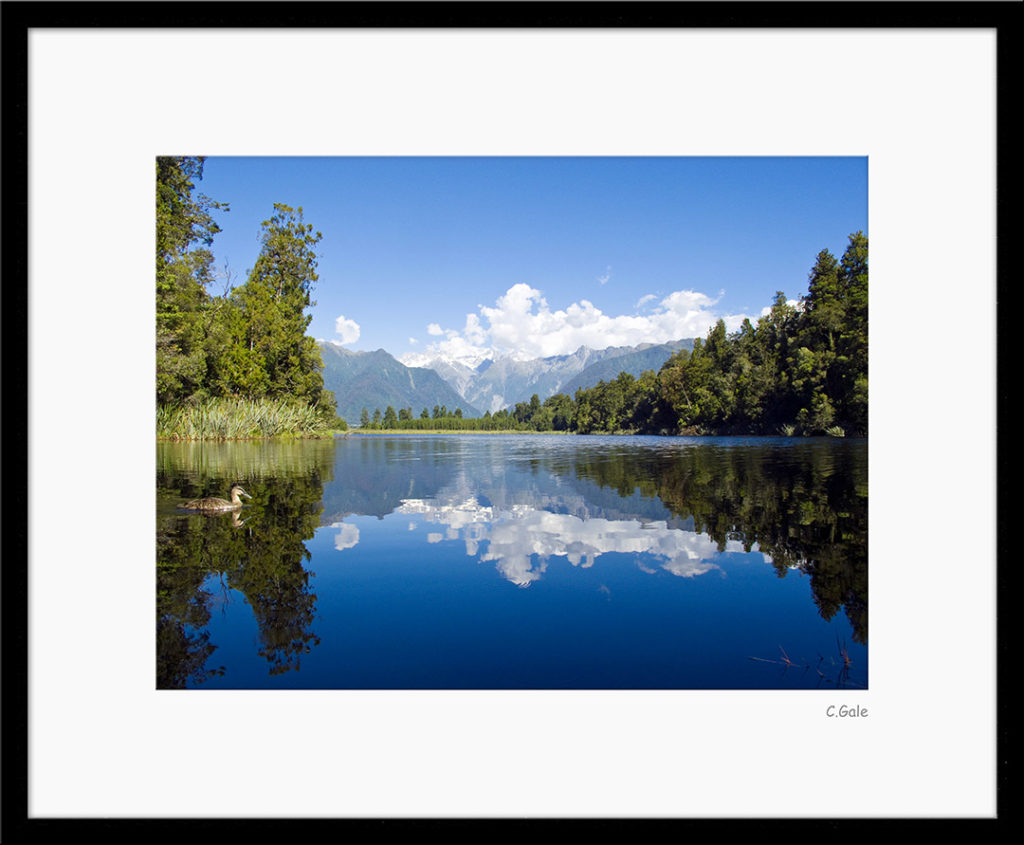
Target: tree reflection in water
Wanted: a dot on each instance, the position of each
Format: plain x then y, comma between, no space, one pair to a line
260,553
801,503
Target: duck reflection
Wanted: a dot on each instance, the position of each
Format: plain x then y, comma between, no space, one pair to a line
266,564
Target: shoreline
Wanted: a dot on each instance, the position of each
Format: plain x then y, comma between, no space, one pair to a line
337,433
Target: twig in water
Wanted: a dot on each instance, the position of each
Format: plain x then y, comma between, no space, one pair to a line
843,653
785,657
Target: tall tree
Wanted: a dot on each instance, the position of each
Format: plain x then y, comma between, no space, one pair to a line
853,274
823,281
272,356
185,229
853,341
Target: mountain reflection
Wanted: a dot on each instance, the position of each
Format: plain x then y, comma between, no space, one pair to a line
800,505
520,504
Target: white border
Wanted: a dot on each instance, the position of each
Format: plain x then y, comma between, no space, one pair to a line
920,104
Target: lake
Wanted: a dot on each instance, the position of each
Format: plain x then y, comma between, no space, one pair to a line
515,562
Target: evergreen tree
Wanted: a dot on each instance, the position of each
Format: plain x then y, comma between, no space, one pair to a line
853,340
271,355
823,281
802,366
185,229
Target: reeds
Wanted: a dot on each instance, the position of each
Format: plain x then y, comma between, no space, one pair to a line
835,431
238,419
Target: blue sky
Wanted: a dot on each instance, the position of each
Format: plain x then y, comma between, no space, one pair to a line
534,256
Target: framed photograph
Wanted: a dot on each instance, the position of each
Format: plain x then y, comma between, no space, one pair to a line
494,441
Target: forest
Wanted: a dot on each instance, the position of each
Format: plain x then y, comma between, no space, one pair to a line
242,354
802,369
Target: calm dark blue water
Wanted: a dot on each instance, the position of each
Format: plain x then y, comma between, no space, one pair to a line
515,562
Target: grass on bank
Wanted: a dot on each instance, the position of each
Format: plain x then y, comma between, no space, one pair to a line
241,419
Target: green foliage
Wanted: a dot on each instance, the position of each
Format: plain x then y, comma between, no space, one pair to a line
249,342
806,364
271,354
559,410
184,309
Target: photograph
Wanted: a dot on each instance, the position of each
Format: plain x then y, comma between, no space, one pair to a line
447,422
511,423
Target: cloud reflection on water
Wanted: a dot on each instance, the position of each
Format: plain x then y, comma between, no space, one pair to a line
520,540
347,537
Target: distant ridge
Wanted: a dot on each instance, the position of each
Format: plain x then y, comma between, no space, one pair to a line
643,357
501,382
376,379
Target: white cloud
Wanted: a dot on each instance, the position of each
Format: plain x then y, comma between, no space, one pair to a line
643,300
607,275
347,330
523,325
475,332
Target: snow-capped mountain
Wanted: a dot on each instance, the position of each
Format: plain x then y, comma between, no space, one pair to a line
501,381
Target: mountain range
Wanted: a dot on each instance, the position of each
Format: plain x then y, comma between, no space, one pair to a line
376,379
633,360
502,381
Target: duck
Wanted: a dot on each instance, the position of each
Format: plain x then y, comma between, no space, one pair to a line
213,504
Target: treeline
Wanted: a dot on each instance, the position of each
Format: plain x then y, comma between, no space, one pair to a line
801,370
247,342
440,419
